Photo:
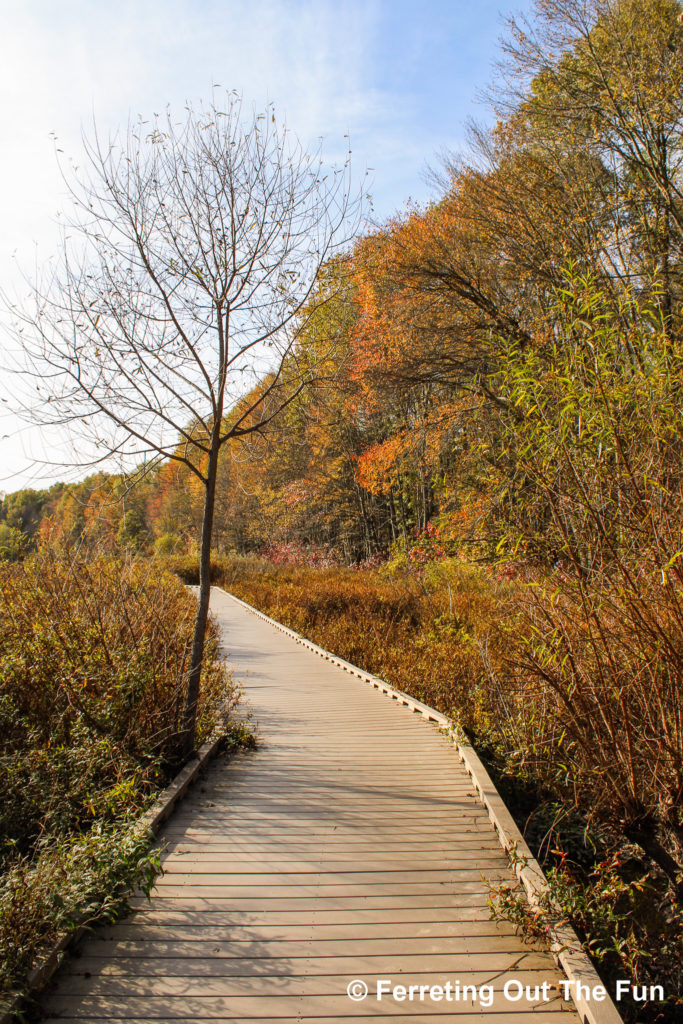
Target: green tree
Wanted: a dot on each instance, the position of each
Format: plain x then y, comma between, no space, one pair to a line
13,543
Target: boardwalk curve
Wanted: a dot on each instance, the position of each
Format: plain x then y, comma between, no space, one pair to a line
349,845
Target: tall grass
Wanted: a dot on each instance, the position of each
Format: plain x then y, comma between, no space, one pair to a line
93,658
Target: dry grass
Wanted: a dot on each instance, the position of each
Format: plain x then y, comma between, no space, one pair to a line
92,667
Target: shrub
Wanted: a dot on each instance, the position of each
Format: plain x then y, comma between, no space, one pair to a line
596,505
70,882
13,543
93,658
167,544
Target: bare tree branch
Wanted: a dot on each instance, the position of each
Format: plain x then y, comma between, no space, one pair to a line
187,265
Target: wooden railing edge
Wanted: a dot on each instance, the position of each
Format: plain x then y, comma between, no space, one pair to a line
565,944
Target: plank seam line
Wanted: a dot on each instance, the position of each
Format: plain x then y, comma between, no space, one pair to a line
564,942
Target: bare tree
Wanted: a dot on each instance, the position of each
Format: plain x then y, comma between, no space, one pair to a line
187,276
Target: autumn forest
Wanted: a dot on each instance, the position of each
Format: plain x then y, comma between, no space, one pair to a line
478,494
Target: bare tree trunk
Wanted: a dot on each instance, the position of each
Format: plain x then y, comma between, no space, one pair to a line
192,694
209,235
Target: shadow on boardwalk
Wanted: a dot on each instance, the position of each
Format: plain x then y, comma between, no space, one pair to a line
348,845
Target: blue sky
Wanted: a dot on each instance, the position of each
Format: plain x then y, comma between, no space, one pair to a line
401,78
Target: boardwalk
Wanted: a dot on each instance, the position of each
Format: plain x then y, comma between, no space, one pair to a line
350,845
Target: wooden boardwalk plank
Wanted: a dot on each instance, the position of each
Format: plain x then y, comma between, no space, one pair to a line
350,844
